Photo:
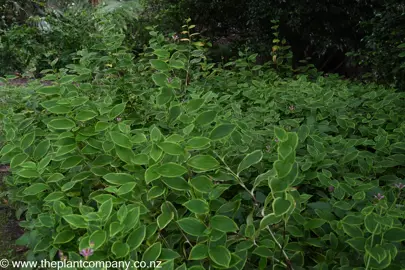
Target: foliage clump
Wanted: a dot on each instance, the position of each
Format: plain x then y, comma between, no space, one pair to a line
169,157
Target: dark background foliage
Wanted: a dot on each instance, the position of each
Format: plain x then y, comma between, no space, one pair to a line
357,39
325,31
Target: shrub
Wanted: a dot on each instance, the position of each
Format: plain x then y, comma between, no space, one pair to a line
167,157
380,46
31,48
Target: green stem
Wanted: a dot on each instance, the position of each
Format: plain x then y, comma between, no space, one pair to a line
281,248
237,178
372,240
275,259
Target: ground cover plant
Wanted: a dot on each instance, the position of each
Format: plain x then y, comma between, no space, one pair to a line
166,156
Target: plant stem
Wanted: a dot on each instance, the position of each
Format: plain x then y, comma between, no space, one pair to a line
287,259
237,178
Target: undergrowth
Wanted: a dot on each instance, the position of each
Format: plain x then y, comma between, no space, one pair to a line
168,157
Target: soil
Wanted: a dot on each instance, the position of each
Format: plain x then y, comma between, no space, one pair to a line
23,81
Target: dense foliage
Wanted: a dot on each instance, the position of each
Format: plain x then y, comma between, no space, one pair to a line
167,156
357,39
353,38
50,40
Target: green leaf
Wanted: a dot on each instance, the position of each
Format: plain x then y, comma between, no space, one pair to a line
263,251
202,184
119,178
76,220
159,79
28,173
223,224
198,252
105,209
64,237
198,143
71,162
54,196
292,140
220,255
352,230
194,104
281,206
61,124
203,163
371,223
222,131
152,253
140,159
171,148
176,183
205,118
244,245
349,157
192,226
151,174
18,160
155,153
56,177
79,101
395,235
357,243
250,159
65,150
125,154
7,149
85,115
281,134
121,139
139,138
270,219
81,176
120,249
43,244
115,227
159,65
165,96
377,252
155,192
126,188
164,219
98,238
161,53
101,126
168,255
197,206
49,90
303,132
122,213
35,189
136,238
132,218
155,134
283,168
171,170
314,223
177,64
27,140
188,129
117,110
284,150
174,113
